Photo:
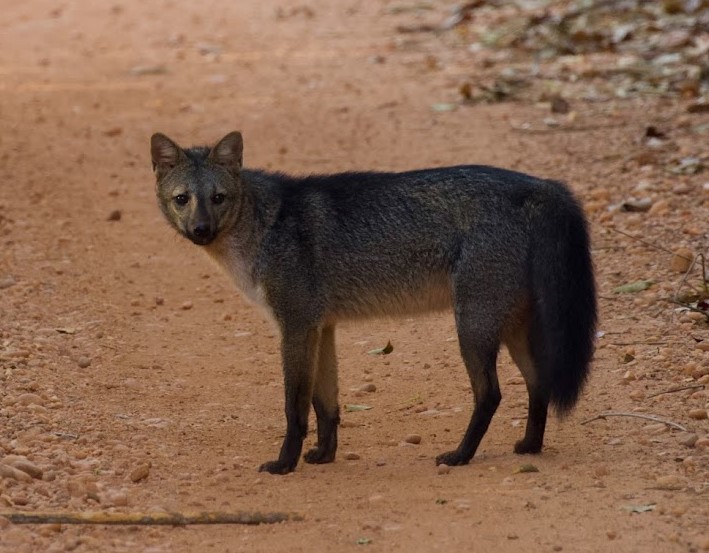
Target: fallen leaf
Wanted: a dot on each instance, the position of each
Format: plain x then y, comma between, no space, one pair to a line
443,107
527,467
386,350
633,287
640,508
636,206
351,408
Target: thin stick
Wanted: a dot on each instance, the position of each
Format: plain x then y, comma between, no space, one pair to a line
639,416
151,519
648,244
679,389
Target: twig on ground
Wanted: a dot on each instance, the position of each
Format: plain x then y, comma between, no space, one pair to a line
639,416
151,519
678,389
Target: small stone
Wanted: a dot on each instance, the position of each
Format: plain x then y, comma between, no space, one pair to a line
670,482
11,473
637,395
698,414
515,381
611,534
7,282
4,523
187,305
681,260
413,439
443,469
689,440
654,429
370,387
352,456
30,468
159,300
140,472
557,548
115,215
116,499
600,471
84,362
28,399
702,443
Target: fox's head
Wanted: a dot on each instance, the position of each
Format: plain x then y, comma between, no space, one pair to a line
198,189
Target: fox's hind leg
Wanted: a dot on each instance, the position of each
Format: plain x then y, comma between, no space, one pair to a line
519,347
325,403
479,346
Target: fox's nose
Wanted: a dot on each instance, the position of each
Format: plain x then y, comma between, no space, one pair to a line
201,230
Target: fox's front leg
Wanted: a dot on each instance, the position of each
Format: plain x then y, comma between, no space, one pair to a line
299,350
325,400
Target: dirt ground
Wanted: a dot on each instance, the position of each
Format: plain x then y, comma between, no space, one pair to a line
122,349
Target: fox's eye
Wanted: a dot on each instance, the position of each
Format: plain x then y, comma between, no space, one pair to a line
218,198
182,199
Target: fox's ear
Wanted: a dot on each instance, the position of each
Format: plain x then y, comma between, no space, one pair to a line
229,152
165,153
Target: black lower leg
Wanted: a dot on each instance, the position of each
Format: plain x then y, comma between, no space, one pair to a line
536,423
324,451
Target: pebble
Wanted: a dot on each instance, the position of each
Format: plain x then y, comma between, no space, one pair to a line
443,469
637,395
413,439
140,472
681,260
370,387
702,443
187,305
29,467
653,429
115,215
83,362
698,414
7,282
689,440
6,471
27,399
611,534
670,482
352,456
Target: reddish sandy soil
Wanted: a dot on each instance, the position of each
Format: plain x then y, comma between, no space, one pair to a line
122,346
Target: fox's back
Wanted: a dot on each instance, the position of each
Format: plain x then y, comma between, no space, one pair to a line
377,243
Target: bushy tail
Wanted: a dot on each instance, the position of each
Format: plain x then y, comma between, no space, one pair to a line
564,322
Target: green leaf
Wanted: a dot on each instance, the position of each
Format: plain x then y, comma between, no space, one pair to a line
386,350
350,408
633,287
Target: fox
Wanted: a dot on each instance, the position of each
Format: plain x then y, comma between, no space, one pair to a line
507,252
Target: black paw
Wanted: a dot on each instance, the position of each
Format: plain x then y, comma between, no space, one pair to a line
527,446
319,456
452,459
277,467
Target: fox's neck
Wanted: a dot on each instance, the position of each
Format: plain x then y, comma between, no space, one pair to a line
237,248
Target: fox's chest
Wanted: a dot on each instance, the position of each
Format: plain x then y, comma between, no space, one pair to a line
240,270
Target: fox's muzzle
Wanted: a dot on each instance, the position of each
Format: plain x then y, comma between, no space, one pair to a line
201,234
